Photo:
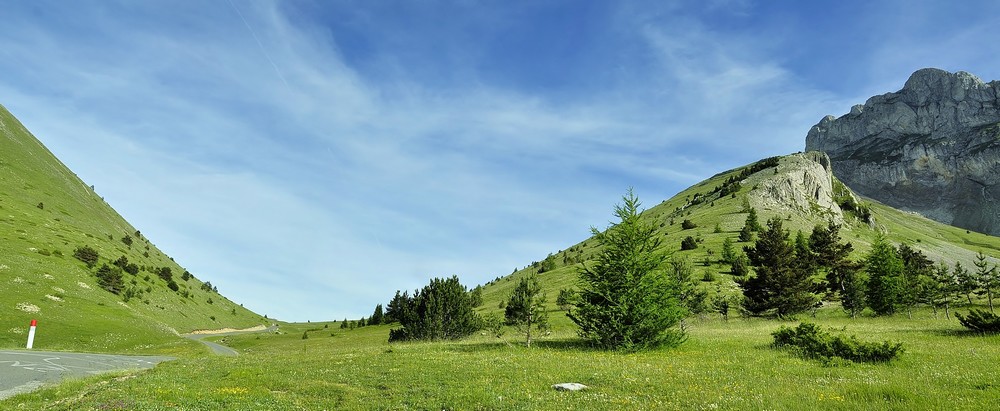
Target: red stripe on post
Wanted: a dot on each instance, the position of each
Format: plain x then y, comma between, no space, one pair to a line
34,323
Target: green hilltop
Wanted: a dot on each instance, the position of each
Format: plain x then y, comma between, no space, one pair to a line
46,214
798,188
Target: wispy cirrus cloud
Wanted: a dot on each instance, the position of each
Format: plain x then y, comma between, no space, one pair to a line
311,158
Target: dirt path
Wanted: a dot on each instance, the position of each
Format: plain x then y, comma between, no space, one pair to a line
220,349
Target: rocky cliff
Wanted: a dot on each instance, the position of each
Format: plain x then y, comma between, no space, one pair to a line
932,147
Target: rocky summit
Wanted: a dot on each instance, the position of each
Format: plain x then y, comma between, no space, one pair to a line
932,147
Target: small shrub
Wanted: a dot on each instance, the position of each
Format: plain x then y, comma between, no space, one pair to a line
708,276
86,254
980,320
688,224
812,342
689,243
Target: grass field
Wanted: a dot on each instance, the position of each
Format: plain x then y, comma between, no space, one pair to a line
724,365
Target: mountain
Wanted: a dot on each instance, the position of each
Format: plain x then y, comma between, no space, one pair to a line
801,189
46,214
932,147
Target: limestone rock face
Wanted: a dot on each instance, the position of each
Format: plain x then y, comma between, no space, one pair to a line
802,183
932,147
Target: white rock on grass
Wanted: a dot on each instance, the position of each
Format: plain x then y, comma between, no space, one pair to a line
569,386
28,308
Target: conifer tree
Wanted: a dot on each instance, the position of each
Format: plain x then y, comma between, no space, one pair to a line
377,316
946,286
442,310
626,301
110,278
987,277
916,270
885,272
781,285
728,254
526,307
751,223
966,281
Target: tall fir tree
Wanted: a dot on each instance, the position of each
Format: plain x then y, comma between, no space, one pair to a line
526,307
917,269
885,271
781,285
377,317
946,286
728,254
626,301
831,257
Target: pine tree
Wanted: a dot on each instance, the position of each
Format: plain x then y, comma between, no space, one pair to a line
377,316
526,307
343,324
945,288
782,285
396,310
728,254
885,272
916,270
442,310
967,283
830,256
751,223
626,301
986,277
109,278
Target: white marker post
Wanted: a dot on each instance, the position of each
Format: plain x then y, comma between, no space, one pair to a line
31,333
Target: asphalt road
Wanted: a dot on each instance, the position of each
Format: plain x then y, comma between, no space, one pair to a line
23,371
26,370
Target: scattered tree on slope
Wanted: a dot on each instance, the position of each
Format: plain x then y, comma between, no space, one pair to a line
526,307
626,301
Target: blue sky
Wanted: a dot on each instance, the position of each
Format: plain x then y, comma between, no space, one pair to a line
311,157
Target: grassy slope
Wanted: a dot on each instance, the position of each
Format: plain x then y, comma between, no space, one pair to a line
938,241
724,365
37,266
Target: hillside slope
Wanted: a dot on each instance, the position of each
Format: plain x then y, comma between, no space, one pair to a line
799,188
46,213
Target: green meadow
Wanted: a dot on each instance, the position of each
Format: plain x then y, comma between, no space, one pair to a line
723,365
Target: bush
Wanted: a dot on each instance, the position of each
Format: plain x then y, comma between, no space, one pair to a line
812,342
688,224
87,255
980,320
442,310
689,243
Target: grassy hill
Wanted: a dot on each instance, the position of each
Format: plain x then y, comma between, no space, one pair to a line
723,365
46,213
719,216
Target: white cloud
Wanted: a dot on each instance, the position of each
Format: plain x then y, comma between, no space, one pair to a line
308,185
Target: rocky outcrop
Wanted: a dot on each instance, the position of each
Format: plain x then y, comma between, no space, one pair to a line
801,183
932,147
